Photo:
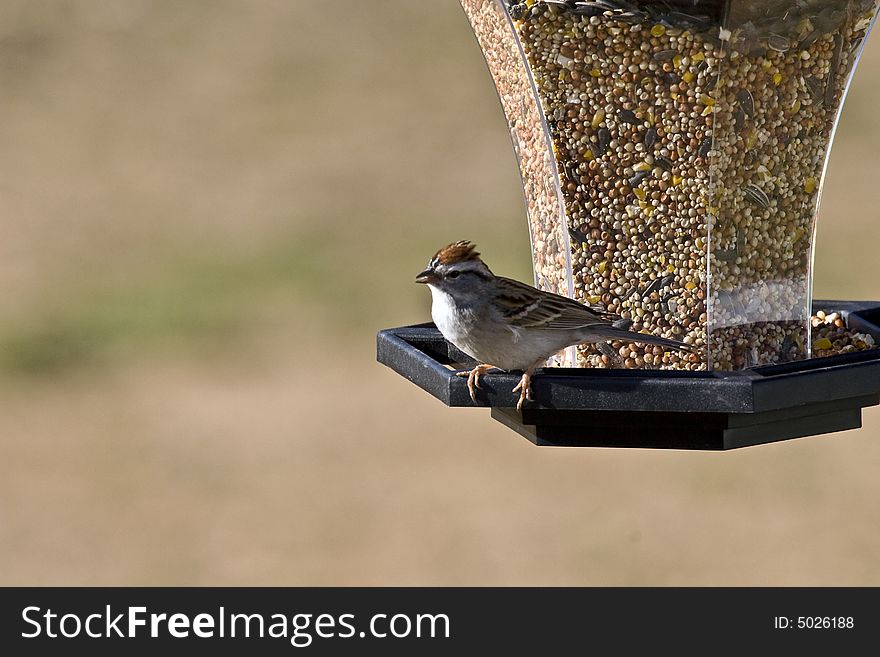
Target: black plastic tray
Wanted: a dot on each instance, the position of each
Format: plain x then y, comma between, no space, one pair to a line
658,409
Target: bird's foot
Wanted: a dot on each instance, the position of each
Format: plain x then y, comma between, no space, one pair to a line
473,377
524,387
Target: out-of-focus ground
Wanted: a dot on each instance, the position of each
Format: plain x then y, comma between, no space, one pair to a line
209,208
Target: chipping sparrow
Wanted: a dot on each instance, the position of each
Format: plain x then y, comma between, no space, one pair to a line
505,324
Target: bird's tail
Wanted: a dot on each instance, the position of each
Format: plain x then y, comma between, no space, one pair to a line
614,333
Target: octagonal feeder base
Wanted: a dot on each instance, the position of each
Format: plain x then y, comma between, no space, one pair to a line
658,409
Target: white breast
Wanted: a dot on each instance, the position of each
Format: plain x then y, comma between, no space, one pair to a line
447,317
478,337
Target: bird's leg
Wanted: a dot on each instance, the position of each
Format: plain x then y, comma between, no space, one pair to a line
473,377
524,387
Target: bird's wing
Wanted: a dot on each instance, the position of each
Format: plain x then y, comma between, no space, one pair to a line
525,307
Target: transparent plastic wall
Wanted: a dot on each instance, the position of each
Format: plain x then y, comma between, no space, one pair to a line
672,156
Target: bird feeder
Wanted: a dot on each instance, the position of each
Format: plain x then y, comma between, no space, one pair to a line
672,156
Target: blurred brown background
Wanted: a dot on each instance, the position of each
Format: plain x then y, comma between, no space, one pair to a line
209,208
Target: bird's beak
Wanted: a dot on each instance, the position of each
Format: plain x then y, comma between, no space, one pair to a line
426,277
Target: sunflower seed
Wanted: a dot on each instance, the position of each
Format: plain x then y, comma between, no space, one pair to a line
628,116
608,351
517,12
578,236
681,19
814,86
663,162
705,148
739,119
604,137
746,101
658,284
665,55
757,195
650,138
786,349
559,4
631,17
588,9
778,43
810,39
638,178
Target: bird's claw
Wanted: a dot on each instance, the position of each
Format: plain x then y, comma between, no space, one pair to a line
473,379
524,387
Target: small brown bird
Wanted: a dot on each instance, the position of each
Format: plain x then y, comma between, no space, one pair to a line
504,324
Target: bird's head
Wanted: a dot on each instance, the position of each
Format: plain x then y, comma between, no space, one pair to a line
456,269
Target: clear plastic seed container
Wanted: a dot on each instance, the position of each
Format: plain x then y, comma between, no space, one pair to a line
672,155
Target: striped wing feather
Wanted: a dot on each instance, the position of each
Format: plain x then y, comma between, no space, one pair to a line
526,307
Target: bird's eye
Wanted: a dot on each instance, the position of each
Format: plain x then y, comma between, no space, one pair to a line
454,274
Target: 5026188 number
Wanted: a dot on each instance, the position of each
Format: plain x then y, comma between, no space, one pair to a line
825,622
814,623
